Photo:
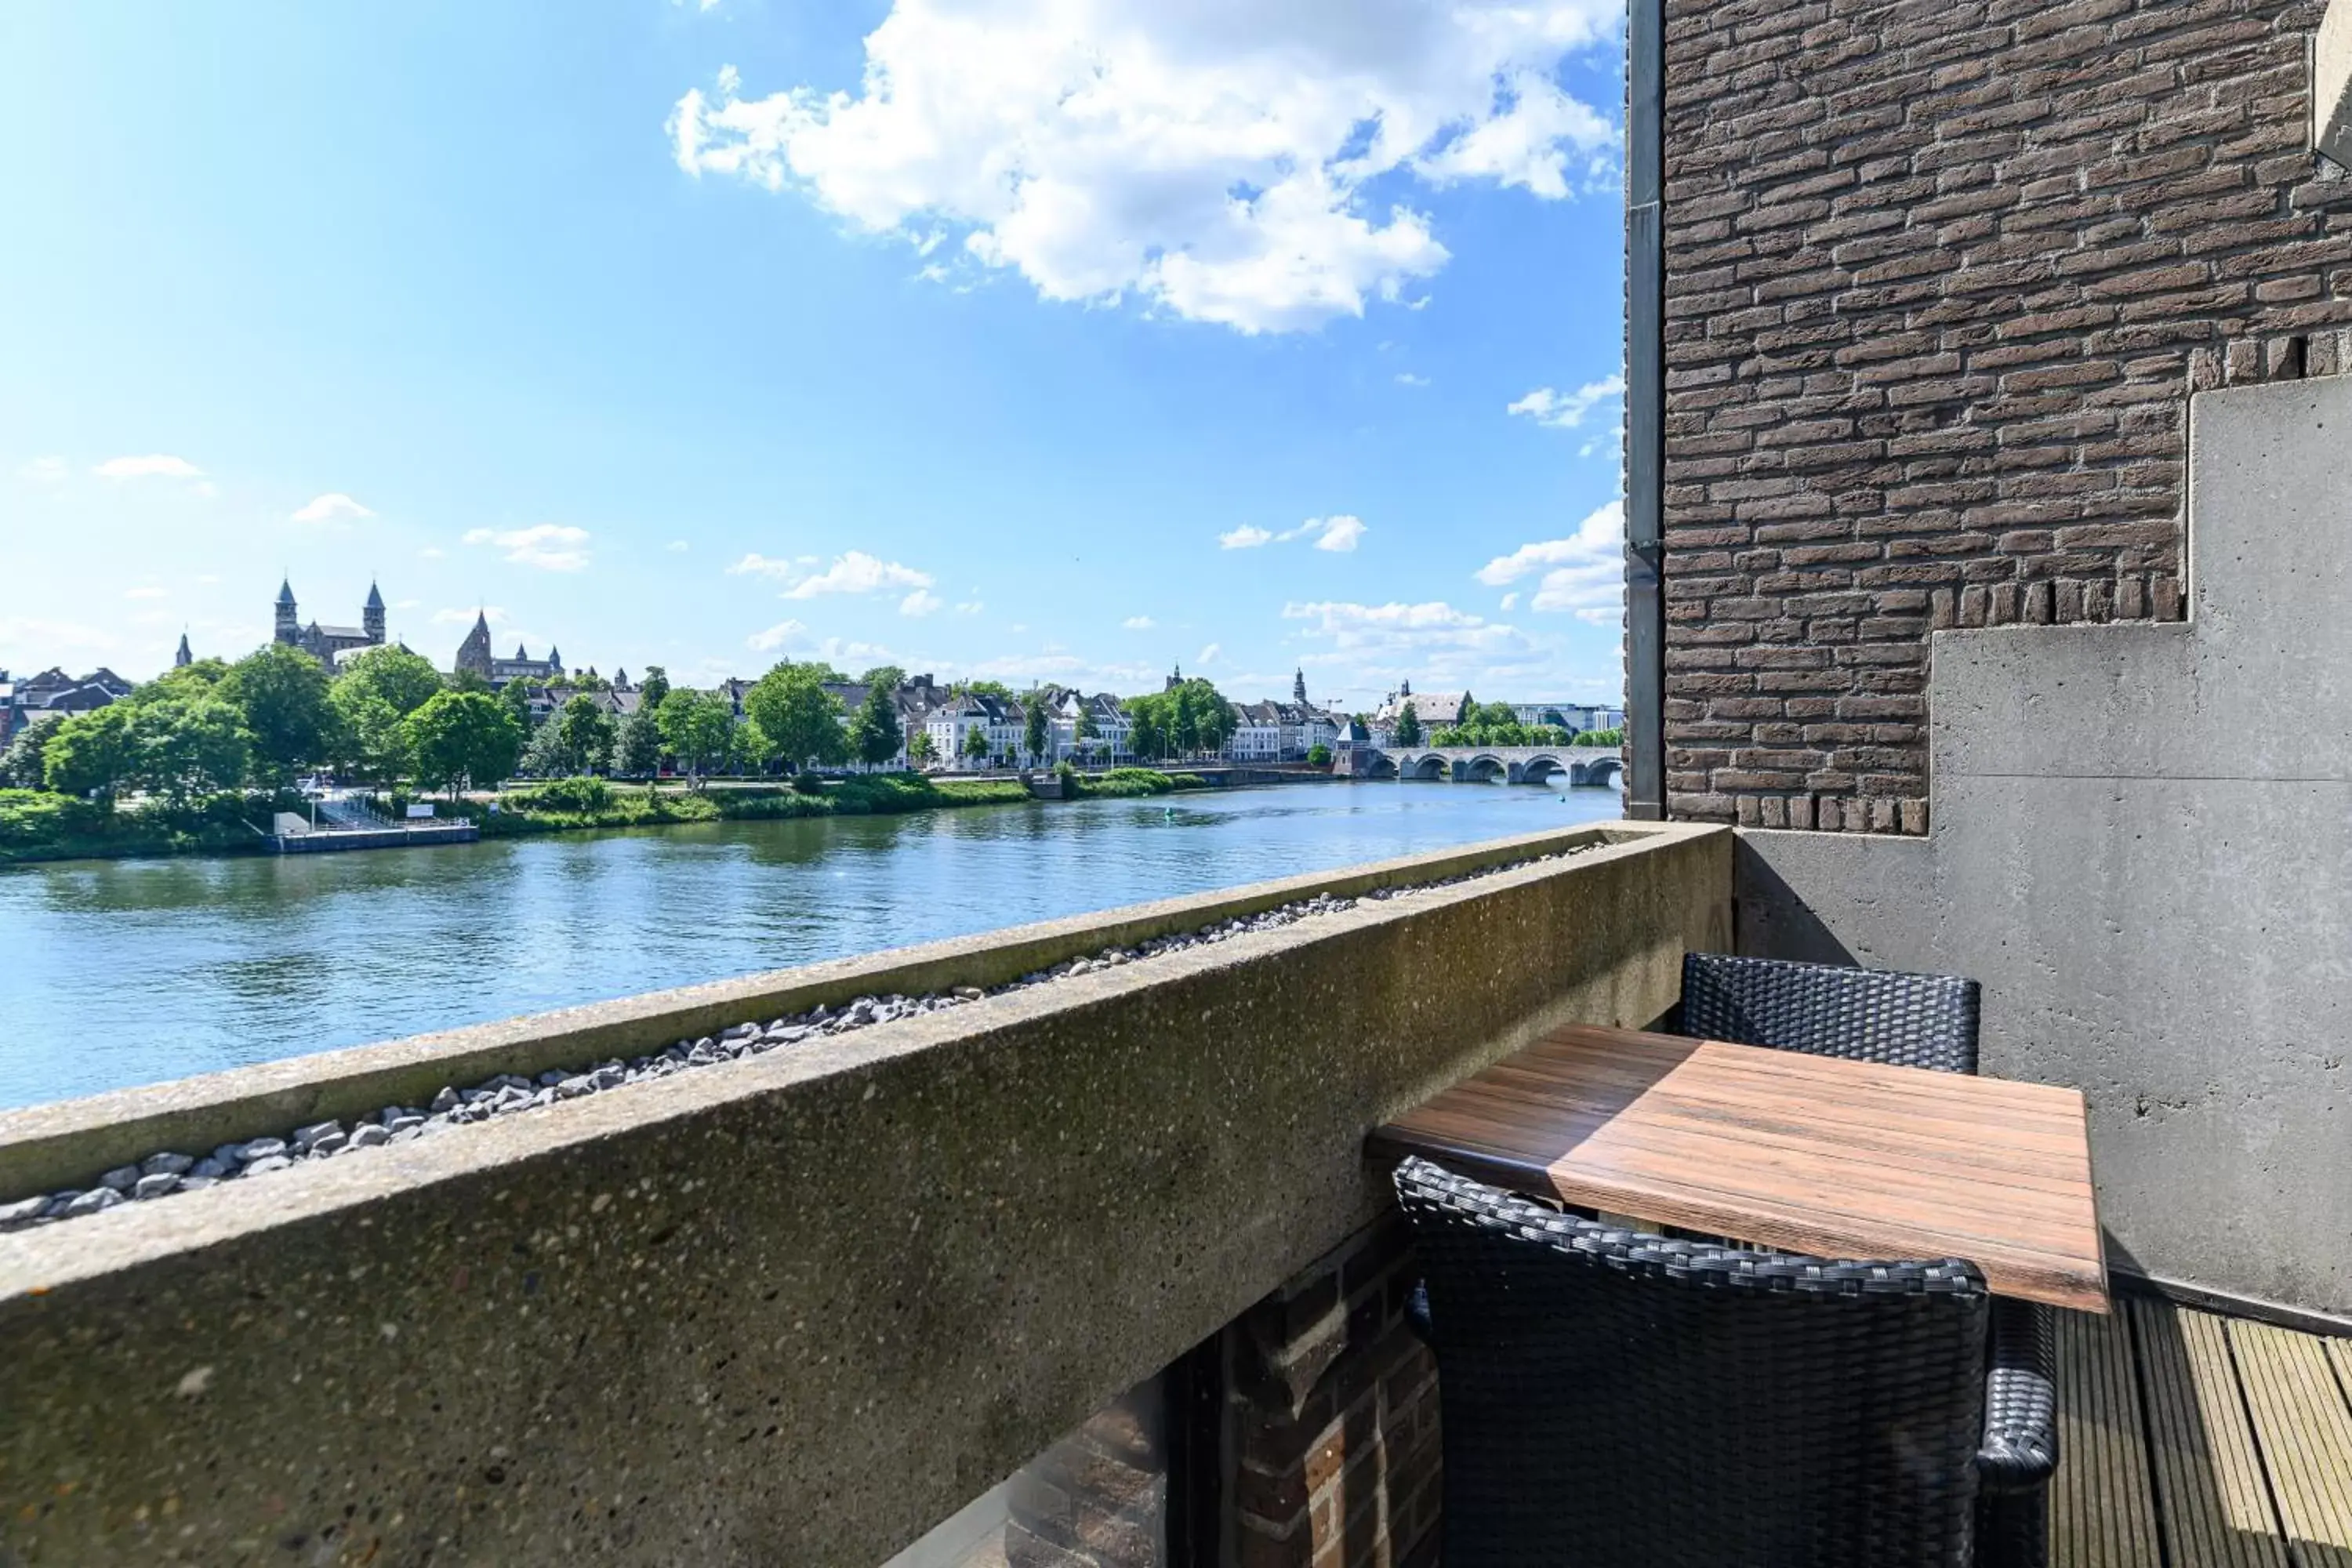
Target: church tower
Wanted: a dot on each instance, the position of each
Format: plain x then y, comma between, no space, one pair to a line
474,653
372,616
289,625
1298,687
182,660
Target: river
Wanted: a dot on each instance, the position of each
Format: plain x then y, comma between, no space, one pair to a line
128,971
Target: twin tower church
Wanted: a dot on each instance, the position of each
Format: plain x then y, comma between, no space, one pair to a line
328,644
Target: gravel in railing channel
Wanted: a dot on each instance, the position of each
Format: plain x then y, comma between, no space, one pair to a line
169,1172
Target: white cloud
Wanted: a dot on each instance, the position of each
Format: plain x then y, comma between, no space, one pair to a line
335,508
206,488
1583,575
1340,533
1406,378
43,471
775,636
146,593
549,546
855,571
1432,643
1209,655
457,617
921,602
677,547
431,552
1565,411
969,607
1224,163
154,466
1510,601
1139,622
32,633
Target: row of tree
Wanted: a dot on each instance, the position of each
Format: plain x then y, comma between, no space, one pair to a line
388,716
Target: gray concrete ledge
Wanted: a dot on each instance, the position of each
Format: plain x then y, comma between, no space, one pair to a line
69,1142
798,1308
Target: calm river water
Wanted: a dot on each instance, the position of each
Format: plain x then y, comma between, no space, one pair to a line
116,972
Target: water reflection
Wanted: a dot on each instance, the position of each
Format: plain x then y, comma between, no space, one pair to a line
122,972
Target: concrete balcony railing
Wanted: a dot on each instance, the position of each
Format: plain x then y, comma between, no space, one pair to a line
797,1308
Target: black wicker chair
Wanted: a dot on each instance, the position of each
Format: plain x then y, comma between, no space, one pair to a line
1921,1021
1622,1400
1868,1014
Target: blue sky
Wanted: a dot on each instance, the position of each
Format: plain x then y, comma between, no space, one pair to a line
1041,339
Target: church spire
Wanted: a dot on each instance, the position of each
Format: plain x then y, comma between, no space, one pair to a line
182,660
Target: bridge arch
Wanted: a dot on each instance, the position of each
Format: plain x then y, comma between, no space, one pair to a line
1601,770
1540,769
1484,768
1429,766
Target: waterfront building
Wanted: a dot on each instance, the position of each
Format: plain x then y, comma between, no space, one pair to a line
323,642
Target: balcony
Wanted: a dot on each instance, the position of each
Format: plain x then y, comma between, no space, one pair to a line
1089,1271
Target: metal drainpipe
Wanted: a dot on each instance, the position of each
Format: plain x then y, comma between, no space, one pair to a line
1646,410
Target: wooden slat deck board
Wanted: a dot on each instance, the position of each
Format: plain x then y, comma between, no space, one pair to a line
2211,1493
1813,1153
2188,1440
2102,1506
2304,1425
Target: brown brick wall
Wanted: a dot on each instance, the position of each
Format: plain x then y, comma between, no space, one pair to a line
1940,275
1097,1499
1333,1424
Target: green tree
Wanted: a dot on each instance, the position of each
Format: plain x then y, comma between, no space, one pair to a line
1318,755
1600,738
92,754
283,694
21,765
875,733
516,697
637,745
919,750
187,746
1036,727
797,719
468,680
374,696
975,744
463,739
1407,726
404,680
653,688
1147,725
584,730
698,728
1493,715
201,678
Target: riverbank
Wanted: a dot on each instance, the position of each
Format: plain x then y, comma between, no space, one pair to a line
35,826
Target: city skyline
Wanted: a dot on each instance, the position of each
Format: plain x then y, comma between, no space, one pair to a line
638,360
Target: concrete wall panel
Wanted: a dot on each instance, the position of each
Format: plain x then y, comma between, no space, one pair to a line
797,1308
2142,847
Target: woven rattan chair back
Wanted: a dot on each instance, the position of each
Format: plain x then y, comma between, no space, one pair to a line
1827,1010
1623,1400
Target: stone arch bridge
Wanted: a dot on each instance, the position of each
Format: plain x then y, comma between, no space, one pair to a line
1552,766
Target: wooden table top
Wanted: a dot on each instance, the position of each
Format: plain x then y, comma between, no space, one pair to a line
1817,1154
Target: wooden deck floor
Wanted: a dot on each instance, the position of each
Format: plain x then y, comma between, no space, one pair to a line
2188,1440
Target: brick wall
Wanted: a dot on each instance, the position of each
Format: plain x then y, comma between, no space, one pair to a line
1098,1498
1940,277
1333,1425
